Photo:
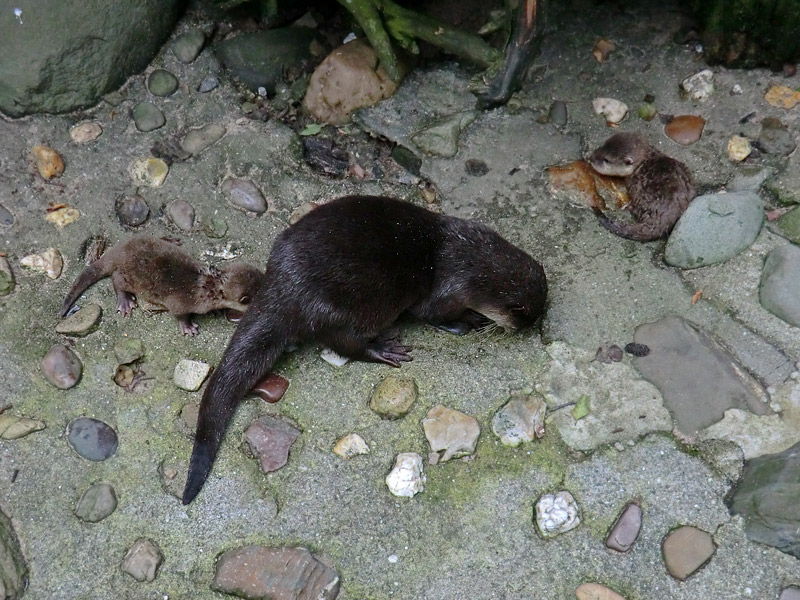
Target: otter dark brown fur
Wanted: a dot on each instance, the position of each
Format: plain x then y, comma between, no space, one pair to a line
660,188
162,274
343,274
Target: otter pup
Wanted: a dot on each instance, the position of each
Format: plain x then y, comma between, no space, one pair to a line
660,187
342,275
162,274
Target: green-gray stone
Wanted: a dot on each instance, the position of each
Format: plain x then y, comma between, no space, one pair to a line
715,228
187,46
59,55
394,396
13,570
128,350
162,83
7,281
779,291
767,498
96,503
215,228
440,137
789,224
259,59
197,140
147,117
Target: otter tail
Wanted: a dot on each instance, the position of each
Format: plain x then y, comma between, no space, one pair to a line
96,271
642,231
252,351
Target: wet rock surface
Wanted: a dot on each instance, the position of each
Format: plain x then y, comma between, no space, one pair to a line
262,573
685,364
132,211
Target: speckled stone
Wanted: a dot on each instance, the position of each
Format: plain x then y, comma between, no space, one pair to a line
686,550
189,374
181,214
519,420
128,350
625,531
143,560
96,503
61,367
162,83
147,117
148,171
92,439
269,440
188,46
50,262
258,572
82,322
394,396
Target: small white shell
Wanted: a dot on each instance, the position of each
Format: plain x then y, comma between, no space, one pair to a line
406,478
556,513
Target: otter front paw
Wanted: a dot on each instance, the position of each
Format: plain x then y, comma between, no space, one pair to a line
125,303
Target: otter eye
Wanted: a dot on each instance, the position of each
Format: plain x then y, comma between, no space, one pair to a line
516,308
244,299
628,161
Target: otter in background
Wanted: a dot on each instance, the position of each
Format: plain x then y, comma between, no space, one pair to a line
159,272
660,188
343,274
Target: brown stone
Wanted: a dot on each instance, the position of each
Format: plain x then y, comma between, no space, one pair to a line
595,591
61,367
393,396
48,162
686,550
269,439
261,573
625,531
685,129
271,388
577,183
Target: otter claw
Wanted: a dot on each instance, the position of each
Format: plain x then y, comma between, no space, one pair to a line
389,351
125,303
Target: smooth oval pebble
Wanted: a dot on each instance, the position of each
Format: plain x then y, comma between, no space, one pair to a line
558,113
201,138
685,129
6,218
82,322
7,281
271,388
61,367
96,503
147,117
84,133
48,162
243,194
148,171
132,211
162,83
595,591
790,593
625,531
393,396
685,550
92,439
181,214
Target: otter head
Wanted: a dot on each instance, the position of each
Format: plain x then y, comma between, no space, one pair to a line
620,155
240,285
511,289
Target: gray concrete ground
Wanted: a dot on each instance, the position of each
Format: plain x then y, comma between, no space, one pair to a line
470,533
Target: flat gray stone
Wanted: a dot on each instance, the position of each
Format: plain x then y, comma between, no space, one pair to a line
243,194
626,529
6,218
790,593
697,377
440,137
147,117
143,560
714,228
749,177
82,322
767,499
92,439
187,46
779,291
197,140
789,224
775,137
13,569
128,350
181,214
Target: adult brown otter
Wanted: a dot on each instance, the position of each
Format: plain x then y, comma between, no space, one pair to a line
159,272
660,188
342,275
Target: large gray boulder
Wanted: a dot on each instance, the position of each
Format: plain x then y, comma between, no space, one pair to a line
59,55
